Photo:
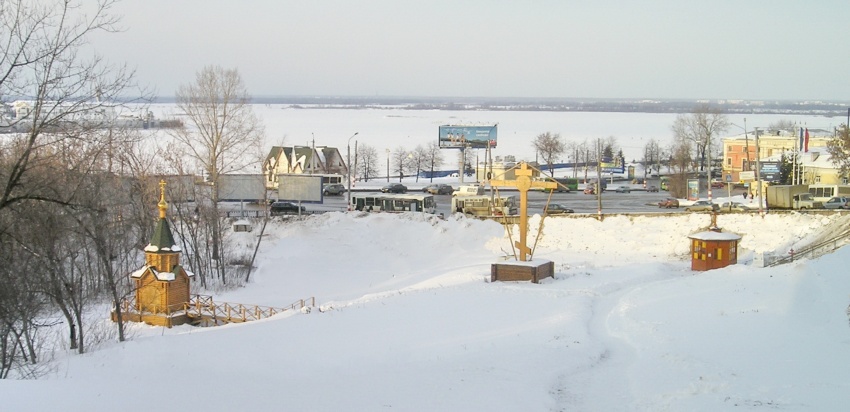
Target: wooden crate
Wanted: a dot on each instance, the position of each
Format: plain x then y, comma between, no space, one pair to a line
522,271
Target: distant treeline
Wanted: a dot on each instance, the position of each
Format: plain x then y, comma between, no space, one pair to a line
823,108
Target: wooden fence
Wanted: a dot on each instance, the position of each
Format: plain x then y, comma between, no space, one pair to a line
202,309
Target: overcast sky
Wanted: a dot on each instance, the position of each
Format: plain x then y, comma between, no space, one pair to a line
732,49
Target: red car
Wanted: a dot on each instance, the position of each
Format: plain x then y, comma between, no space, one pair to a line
717,184
669,203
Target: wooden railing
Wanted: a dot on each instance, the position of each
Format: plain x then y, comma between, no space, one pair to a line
203,307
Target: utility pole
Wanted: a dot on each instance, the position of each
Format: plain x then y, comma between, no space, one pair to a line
708,151
758,173
313,154
746,147
599,178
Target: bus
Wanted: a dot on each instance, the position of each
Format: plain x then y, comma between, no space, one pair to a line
392,202
665,183
565,184
822,193
485,205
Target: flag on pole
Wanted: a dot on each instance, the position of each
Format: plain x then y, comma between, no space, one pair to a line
806,145
800,146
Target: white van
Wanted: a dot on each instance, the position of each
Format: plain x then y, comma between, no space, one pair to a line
469,190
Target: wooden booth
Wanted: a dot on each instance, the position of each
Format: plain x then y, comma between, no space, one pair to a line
713,249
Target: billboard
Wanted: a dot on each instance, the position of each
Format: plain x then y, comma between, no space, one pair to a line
476,137
693,189
241,187
770,171
300,188
613,164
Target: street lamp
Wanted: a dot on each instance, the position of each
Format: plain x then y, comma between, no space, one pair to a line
758,173
348,168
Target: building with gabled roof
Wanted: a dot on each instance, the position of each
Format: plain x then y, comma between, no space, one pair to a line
302,160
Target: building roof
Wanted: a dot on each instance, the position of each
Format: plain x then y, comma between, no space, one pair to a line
712,235
162,239
164,276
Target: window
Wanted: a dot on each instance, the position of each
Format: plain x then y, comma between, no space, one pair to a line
728,161
817,178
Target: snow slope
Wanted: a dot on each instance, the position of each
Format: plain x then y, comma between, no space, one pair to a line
408,320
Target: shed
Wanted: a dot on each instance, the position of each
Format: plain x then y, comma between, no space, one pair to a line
242,226
713,249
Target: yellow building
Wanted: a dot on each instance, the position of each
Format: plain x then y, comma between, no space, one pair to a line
739,152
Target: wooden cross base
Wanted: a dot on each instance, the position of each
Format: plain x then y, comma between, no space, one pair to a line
531,270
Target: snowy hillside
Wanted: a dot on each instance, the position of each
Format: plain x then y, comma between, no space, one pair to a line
408,320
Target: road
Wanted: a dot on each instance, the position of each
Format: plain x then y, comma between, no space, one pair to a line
636,201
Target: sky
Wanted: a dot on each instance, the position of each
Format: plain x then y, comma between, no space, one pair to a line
688,49
409,320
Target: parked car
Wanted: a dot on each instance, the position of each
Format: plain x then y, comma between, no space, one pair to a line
282,208
394,188
623,189
702,206
717,184
556,209
333,189
669,203
651,188
733,207
836,202
438,189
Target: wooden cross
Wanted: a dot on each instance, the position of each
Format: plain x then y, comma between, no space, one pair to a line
523,182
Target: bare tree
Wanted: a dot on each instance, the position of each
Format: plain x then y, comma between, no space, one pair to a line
41,59
783,124
651,157
418,160
398,161
700,128
367,161
839,149
222,127
69,94
680,162
221,130
434,157
587,156
468,161
549,146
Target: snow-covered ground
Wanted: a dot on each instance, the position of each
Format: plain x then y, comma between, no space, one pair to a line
407,320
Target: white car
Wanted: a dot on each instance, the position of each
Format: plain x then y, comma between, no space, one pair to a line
836,202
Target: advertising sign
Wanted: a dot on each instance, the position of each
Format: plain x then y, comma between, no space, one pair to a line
476,137
693,189
241,187
747,175
769,171
613,164
300,188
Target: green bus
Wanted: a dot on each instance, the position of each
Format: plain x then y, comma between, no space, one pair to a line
665,183
565,184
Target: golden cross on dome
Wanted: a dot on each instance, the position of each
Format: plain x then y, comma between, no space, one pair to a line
162,205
